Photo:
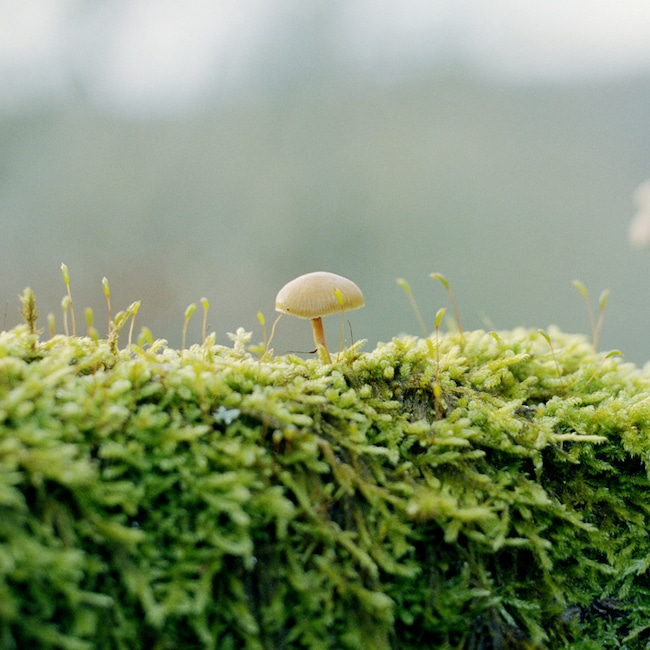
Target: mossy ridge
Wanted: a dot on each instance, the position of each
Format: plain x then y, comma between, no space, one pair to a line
209,498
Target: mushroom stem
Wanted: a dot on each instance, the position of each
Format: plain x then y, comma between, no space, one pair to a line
319,339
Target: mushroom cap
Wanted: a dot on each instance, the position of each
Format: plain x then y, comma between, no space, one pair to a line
314,294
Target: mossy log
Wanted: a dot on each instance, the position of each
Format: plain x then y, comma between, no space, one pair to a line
483,491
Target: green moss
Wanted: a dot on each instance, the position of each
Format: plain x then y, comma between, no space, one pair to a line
490,493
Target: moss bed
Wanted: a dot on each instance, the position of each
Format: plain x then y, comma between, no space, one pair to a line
484,491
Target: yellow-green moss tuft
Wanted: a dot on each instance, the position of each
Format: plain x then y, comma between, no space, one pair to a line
489,494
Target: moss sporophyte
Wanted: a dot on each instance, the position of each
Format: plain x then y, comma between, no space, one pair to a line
465,490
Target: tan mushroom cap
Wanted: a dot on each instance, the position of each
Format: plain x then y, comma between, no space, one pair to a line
314,294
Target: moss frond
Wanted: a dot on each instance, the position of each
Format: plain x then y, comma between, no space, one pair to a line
466,490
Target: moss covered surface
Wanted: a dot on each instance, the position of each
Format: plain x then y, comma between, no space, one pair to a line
485,492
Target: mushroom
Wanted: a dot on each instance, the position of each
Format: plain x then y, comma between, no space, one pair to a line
318,294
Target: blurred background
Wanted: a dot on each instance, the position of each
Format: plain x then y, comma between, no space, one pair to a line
219,148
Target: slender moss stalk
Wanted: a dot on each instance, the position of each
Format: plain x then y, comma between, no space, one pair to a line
66,280
339,299
595,324
91,330
416,310
134,308
275,322
188,314
445,284
437,390
65,306
204,326
107,293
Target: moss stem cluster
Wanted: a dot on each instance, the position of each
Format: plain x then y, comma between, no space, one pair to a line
464,490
